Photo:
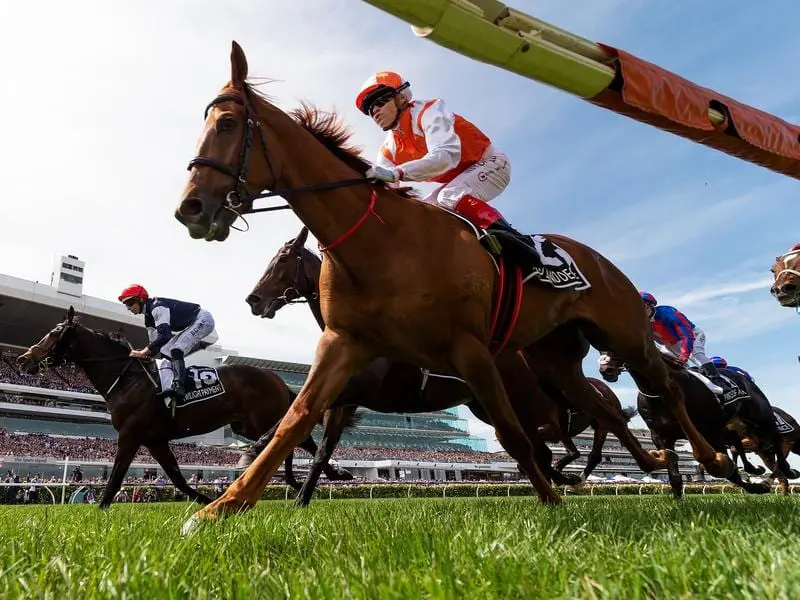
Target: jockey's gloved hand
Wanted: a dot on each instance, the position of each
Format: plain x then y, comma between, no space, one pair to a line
382,174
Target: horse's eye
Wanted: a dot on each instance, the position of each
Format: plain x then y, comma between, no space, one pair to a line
226,124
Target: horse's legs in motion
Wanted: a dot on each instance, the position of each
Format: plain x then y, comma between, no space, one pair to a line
331,472
338,358
473,361
656,373
596,455
673,472
739,452
583,394
164,457
526,397
127,446
333,425
572,451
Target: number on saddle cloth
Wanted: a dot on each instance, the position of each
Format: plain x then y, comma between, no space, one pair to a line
554,265
201,383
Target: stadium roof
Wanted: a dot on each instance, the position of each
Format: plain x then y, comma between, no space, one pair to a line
30,309
263,363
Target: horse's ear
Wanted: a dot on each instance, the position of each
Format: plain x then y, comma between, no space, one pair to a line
70,315
238,65
301,238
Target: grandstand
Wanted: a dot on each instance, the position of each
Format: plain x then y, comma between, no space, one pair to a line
47,417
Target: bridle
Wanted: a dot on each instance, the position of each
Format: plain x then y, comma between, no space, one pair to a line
57,356
238,196
298,297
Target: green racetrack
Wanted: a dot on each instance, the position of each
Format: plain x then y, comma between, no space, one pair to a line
731,546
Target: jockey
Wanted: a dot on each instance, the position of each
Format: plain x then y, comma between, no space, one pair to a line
426,142
721,363
675,331
162,317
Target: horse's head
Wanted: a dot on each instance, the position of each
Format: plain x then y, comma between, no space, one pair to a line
54,347
232,162
786,271
610,367
286,279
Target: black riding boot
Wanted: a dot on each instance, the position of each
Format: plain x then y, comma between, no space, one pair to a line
518,245
178,374
730,396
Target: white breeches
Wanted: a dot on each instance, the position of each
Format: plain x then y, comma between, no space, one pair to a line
699,350
485,180
190,338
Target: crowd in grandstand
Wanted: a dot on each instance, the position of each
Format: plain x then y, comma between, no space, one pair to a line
103,449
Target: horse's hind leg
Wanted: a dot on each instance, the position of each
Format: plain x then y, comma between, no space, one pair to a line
473,361
332,472
164,457
333,426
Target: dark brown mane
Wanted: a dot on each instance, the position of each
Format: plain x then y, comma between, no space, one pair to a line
327,127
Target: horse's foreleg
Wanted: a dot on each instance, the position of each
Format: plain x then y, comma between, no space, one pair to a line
332,429
126,450
584,395
572,451
337,359
596,454
164,457
656,373
473,361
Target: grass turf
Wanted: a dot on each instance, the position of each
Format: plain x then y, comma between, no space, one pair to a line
615,547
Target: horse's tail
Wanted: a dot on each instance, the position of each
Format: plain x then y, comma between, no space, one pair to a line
629,412
353,420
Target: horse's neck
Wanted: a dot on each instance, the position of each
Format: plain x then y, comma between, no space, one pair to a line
103,373
331,213
312,269
316,310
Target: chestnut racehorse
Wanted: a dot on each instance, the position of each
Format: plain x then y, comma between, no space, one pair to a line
404,280
293,274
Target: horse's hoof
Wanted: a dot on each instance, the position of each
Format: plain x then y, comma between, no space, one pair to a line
191,526
758,471
572,479
344,475
721,467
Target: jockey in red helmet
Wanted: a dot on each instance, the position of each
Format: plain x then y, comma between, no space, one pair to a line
427,142
684,340
175,329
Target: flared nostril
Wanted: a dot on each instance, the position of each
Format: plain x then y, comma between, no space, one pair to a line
191,207
253,299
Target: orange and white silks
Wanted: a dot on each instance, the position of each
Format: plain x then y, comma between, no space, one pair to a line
430,143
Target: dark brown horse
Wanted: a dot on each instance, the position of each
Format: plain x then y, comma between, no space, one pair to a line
253,401
709,416
403,280
789,430
292,276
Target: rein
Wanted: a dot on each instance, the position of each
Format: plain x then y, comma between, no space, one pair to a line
238,196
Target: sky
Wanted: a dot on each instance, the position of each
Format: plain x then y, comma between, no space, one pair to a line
103,105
